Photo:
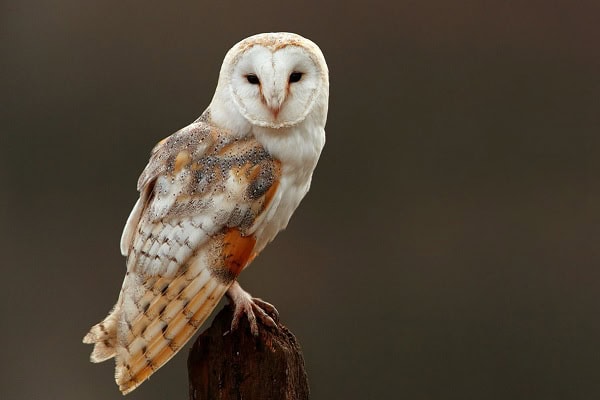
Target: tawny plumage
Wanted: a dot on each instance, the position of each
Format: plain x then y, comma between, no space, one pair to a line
211,197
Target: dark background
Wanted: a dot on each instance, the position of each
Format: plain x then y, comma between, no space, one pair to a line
448,247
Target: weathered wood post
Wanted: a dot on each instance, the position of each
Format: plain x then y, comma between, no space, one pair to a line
224,365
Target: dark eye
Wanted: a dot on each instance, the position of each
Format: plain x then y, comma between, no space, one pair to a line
295,77
253,79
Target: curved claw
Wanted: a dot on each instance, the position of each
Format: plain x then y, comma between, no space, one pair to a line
268,308
253,308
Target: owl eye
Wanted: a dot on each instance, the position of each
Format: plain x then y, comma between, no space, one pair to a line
253,79
295,77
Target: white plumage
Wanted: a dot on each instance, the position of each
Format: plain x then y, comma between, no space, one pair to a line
211,198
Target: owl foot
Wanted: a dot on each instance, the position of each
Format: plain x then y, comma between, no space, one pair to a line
244,303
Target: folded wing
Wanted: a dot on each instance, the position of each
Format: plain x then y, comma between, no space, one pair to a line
186,241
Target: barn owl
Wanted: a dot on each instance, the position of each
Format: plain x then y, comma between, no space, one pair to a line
212,196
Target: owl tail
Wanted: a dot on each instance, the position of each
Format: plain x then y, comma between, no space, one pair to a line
104,337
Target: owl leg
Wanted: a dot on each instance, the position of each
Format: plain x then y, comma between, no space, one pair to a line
244,303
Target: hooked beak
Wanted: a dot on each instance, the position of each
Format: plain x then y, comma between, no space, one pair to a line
275,112
274,103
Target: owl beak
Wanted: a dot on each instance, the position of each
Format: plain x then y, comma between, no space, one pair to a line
275,111
274,103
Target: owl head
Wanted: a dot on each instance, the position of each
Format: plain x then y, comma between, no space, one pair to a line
272,80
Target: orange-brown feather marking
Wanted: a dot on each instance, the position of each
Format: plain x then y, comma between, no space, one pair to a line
271,192
173,336
183,159
151,363
237,250
170,336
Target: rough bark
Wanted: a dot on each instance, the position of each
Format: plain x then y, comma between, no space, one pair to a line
224,365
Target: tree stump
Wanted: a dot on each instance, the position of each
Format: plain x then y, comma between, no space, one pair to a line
224,365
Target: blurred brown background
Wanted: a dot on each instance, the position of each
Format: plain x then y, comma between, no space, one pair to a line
447,249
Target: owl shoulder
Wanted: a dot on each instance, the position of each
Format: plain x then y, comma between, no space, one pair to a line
192,142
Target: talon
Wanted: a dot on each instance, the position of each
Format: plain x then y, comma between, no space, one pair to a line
265,318
244,304
268,308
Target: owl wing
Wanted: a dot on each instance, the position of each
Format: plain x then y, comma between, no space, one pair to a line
186,241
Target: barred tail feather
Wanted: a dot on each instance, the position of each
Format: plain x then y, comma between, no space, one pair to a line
103,337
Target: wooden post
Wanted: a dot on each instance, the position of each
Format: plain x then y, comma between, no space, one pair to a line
225,365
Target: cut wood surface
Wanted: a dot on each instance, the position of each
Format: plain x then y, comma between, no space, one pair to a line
224,365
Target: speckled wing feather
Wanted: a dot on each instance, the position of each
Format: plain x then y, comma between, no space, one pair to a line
187,239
